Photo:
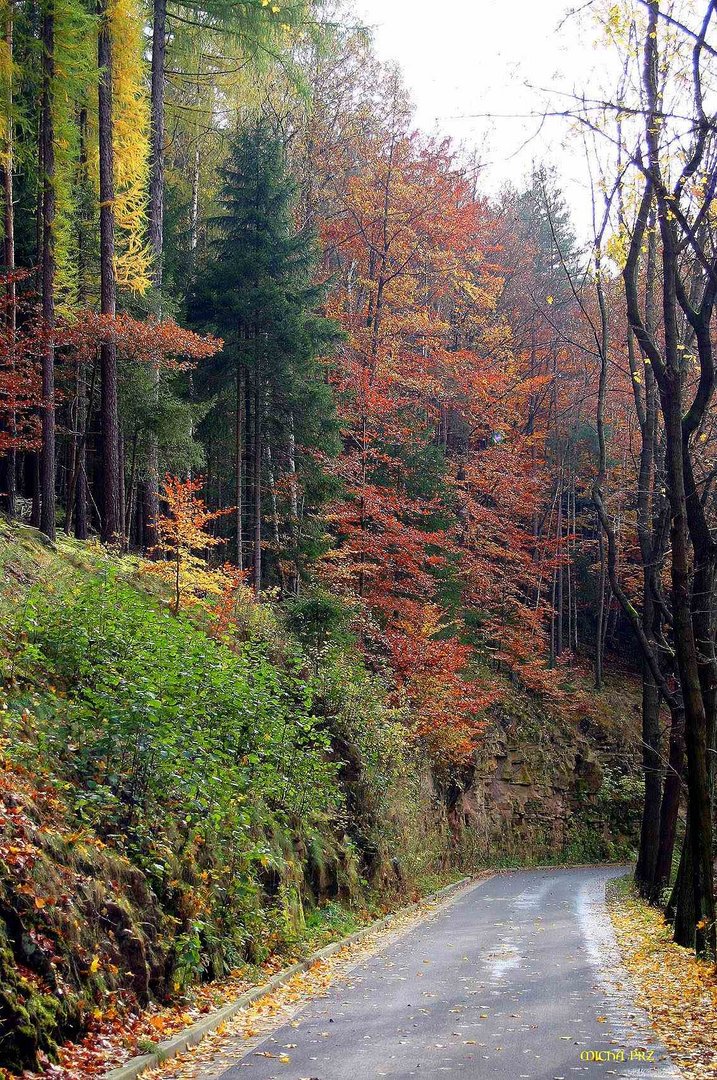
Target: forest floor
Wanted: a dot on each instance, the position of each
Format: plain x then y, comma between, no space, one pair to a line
678,991
517,976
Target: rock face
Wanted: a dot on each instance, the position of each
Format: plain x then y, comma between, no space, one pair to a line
550,789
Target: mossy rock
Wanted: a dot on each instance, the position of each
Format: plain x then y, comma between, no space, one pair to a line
30,1019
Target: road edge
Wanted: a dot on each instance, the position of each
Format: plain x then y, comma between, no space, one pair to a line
192,1035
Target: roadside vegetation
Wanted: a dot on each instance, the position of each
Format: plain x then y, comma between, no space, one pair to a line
191,798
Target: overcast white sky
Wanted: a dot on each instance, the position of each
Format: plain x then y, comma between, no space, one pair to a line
475,56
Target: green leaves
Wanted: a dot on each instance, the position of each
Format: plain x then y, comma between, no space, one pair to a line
172,740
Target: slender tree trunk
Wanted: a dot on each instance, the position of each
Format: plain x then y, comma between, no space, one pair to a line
81,530
131,499
670,808
600,613
248,530
121,493
9,481
238,494
294,497
156,239
47,466
36,489
194,212
258,436
651,768
156,185
553,652
111,521
73,442
559,571
78,486
275,519
682,901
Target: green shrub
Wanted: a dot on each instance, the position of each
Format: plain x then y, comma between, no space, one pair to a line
194,759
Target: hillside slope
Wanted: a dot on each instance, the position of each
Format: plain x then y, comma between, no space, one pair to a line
181,800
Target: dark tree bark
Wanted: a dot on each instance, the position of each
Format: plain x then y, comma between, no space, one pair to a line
35,487
258,456
669,809
651,537
652,771
693,553
238,443
47,457
8,484
77,485
600,612
156,238
108,291
122,537
681,907
83,412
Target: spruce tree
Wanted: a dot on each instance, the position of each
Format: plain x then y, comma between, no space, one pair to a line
258,292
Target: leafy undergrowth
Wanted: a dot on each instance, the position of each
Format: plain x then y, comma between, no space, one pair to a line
114,1036
678,992
187,802
181,810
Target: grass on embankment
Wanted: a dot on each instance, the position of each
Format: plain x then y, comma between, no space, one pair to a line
178,804
678,991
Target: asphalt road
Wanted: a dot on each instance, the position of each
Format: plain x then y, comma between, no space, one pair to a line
518,978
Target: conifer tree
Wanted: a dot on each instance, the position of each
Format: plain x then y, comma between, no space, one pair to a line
258,293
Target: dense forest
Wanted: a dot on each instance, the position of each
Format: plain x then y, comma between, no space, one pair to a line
318,461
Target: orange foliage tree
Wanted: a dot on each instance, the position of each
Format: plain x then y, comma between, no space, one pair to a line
184,540
440,483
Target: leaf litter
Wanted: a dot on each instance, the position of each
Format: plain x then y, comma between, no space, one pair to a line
676,990
244,1034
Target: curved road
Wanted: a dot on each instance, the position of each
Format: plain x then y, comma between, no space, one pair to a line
517,978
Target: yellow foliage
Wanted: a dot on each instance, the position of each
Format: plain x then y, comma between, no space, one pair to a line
75,77
678,991
5,80
183,542
130,125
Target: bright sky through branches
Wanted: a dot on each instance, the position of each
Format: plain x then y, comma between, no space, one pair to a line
491,57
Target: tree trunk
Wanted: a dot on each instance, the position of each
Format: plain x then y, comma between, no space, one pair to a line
238,492
36,488
81,480
600,614
248,466
681,907
294,496
258,434
689,667
47,461
78,486
669,809
559,572
108,291
9,480
121,494
275,519
651,767
156,239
